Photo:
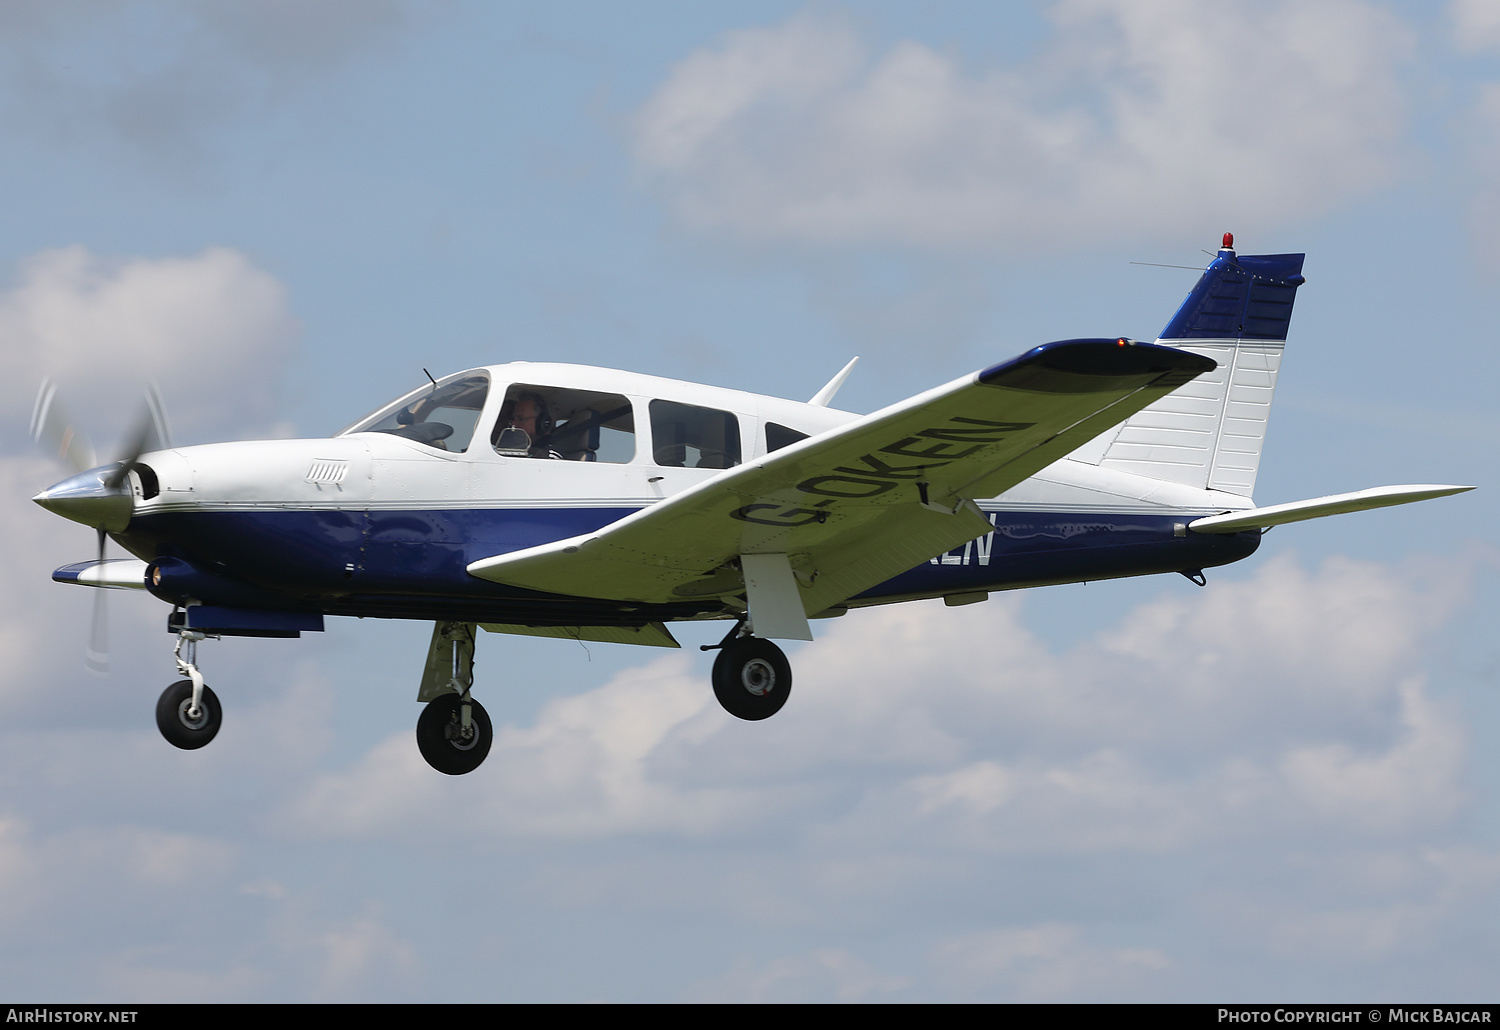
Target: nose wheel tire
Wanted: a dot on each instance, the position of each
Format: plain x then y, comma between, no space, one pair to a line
752,678
444,743
182,726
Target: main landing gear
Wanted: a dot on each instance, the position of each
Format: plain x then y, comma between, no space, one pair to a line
188,712
752,678
454,732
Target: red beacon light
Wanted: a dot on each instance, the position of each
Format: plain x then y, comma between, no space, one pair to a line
1228,241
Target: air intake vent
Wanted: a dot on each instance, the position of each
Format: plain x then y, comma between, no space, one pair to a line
325,470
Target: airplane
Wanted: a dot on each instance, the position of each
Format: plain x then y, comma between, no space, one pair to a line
591,504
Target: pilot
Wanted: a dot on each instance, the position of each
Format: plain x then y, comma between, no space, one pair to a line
528,413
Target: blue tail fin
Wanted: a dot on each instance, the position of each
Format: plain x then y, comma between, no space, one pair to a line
1240,298
1209,434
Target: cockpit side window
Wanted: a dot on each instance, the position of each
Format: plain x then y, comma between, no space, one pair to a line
687,436
442,417
569,425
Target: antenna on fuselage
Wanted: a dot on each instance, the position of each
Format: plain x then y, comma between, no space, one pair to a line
823,396
429,376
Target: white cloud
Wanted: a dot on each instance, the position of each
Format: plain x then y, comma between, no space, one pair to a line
1475,28
1475,24
213,330
1287,702
1049,962
586,769
1357,906
1481,144
155,904
1138,119
1273,735
161,75
1257,768
134,978
17,867
827,974
1411,781
43,872
147,866
363,956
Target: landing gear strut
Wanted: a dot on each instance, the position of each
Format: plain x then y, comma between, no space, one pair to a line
752,678
188,712
454,732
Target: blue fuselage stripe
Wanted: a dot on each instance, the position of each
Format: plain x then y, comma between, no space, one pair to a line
413,563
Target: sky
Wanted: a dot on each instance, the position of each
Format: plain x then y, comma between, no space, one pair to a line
1281,786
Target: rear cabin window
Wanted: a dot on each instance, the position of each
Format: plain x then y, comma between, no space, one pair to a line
778,436
687,436
563,424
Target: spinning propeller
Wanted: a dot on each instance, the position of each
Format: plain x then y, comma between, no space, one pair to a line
96,495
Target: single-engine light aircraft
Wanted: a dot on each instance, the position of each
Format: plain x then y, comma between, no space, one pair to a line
583,503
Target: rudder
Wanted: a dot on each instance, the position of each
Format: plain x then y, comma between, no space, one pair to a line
1209,434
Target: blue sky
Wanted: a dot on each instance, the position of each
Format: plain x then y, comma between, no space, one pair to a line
1280,786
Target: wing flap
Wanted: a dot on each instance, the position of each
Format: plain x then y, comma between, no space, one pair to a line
861,503
652,634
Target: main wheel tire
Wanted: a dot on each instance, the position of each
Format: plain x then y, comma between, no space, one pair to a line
440,735
752,678
181,729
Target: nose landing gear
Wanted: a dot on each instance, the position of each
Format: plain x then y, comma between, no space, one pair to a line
188,712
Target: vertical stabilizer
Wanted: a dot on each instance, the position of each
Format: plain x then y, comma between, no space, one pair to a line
1209,433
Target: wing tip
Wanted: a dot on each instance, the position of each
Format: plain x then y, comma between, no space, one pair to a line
1061,362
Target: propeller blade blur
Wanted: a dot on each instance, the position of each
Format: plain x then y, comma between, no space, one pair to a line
96,655
151,434
52,427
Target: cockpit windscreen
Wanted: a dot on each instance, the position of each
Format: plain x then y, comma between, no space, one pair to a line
442,416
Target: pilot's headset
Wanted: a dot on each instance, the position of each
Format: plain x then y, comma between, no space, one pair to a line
511,439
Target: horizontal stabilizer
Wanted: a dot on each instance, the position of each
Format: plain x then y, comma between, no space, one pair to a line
1317,507
115,573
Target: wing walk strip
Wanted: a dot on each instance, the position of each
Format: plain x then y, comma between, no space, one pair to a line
853,507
